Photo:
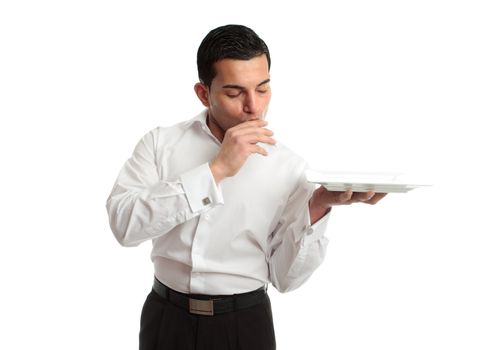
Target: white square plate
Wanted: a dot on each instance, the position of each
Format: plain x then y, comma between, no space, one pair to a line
380,182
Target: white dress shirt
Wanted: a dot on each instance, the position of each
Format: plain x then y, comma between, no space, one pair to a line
250,230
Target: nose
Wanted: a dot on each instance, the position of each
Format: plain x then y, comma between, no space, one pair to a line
252,104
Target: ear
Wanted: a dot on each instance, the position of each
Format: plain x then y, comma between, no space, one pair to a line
202,93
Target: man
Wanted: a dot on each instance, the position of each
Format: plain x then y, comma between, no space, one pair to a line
228,209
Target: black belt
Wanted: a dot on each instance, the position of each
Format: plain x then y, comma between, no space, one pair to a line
210,305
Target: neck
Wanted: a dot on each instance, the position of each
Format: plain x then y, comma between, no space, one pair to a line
215,128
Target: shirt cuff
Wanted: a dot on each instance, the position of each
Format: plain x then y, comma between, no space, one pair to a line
316,231
200,188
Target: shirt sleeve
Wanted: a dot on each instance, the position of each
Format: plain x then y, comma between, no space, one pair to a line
141,206
297,248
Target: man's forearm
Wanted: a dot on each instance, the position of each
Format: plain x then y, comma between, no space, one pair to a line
317,211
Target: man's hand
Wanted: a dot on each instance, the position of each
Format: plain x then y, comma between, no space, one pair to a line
238,144
322,200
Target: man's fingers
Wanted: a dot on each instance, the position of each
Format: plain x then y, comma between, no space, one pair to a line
369,197
376,198
249,131
254,138
258,123
345,196
365,196
259,150
349,197
330,198
265,139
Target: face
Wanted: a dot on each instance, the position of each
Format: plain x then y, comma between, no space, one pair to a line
239,92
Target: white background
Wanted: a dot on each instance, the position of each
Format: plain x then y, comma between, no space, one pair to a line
358,85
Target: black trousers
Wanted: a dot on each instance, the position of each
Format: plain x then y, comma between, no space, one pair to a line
165,326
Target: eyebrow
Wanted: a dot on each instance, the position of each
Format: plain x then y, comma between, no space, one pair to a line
235,86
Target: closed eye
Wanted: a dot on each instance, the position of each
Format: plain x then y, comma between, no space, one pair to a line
233,94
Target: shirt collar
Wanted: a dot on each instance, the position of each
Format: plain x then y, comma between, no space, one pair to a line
201,121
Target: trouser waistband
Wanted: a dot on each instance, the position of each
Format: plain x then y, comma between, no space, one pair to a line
210,305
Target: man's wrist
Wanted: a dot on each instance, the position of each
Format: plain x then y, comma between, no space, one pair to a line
216,172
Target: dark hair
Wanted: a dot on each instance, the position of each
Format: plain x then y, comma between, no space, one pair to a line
229,41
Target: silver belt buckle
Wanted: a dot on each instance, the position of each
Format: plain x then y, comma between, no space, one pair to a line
201,307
